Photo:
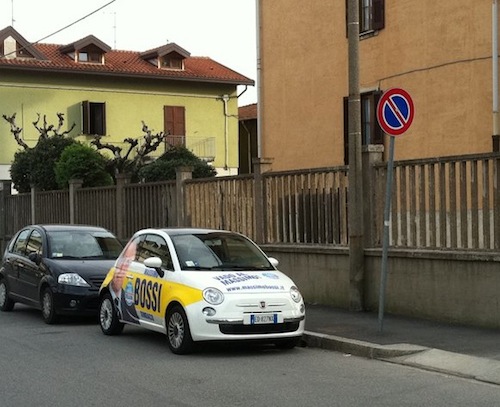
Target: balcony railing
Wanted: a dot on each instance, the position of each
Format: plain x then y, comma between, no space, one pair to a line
203,147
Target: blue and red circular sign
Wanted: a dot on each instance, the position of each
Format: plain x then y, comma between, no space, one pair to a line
395,111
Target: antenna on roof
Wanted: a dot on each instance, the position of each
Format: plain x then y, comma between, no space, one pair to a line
114,30
114,27
12,13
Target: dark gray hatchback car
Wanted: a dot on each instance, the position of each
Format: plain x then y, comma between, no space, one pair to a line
57,269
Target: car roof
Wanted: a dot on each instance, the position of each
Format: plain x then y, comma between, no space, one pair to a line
61,228
184,231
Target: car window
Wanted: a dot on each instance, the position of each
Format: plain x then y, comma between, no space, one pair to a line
219,251
78,244
34,243
20,243
154,246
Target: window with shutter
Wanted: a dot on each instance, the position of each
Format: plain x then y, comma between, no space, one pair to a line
175,125
371,15
94,118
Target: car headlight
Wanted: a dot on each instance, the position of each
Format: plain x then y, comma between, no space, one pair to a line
72,279
295,294
213,296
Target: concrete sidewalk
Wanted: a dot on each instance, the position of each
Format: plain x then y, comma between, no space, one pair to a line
456,350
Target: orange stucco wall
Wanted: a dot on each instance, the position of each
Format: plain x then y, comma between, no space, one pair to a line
440,52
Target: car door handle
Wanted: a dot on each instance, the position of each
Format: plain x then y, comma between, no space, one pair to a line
130,276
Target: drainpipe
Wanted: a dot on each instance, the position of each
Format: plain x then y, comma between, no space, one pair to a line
225,99
259,90
494,41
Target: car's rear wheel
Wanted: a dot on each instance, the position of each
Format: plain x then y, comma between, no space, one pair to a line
179,337
49,314
6,304
108,317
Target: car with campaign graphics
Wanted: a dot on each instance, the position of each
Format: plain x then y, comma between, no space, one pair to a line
199,285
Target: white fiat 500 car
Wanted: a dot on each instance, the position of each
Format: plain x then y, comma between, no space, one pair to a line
200,285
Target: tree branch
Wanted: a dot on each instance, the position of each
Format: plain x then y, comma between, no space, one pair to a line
15,130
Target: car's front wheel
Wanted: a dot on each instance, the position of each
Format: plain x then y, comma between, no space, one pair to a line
49,314
179,337
6,303
108,317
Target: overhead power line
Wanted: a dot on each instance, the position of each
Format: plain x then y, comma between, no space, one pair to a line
74,22
65,27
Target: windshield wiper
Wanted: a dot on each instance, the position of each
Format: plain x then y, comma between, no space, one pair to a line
98,257
227,266
199,268
66,257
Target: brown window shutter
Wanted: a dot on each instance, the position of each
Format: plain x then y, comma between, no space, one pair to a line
85,117
378,14
179,121
378,134
175,125
174,120
168,120
103,119
346,130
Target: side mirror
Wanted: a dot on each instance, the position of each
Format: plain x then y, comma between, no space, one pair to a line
154,263
35,257
274,262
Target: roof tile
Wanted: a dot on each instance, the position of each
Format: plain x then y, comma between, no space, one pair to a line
127,63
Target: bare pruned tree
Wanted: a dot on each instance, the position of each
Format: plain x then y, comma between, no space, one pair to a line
44,132
15,130
124,162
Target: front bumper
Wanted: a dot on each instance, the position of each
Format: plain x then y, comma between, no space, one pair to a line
71,300
231,320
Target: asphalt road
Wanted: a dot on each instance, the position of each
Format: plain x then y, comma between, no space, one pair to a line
74,364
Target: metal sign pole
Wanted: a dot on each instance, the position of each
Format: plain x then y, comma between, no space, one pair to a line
387,213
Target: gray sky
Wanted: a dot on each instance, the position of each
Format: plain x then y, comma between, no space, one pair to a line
224,30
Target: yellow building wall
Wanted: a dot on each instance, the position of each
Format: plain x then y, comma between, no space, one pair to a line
128,103
440,52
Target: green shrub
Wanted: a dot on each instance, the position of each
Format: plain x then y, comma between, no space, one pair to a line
35,166
79,161
163,168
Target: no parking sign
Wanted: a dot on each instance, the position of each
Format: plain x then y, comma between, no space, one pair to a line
395,111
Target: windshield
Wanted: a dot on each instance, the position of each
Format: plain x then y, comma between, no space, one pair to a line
219,251
70,244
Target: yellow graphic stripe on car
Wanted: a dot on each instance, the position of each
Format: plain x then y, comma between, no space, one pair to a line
184,294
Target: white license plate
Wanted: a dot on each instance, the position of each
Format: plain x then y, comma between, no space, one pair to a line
254,319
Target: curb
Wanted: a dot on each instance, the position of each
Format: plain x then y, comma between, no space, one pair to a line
359,348
436,360
470,367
